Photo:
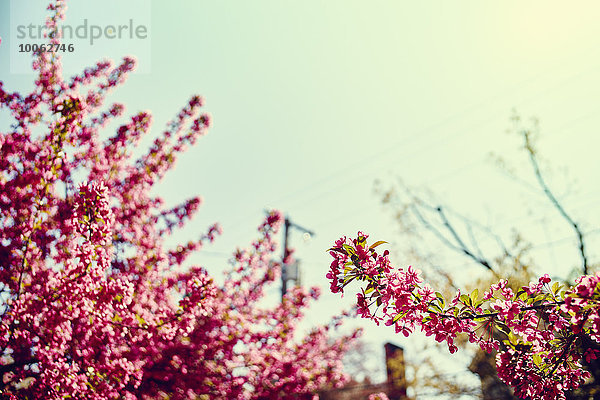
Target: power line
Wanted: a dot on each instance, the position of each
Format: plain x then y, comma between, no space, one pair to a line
427,131
445,176
372,159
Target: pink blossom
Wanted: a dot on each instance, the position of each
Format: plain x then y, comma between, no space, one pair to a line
100,304
543,324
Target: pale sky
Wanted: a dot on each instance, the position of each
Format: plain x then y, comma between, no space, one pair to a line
312,101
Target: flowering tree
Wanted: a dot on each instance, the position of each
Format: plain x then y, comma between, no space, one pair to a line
544,325
93,305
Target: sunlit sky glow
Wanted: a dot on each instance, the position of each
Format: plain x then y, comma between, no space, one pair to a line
313,101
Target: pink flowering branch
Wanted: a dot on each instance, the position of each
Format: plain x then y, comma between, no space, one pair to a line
95,304
543,324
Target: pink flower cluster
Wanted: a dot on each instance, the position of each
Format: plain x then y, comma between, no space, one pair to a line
94,303
542,325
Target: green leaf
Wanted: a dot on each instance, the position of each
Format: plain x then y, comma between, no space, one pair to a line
503,327
537,360
474,295
440,299
539,299
361,240
521,294
465,299
435,306
555,287
140,320
377,243
349,249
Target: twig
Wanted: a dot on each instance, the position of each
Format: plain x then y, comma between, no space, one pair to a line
462,245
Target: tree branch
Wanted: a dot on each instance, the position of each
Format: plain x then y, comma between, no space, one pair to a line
538,174
462,245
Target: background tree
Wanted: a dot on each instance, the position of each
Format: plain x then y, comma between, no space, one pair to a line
94,304
420,218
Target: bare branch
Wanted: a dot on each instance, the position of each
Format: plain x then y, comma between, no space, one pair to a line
528,144
462,244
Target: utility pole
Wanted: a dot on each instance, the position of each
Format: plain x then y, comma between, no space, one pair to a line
286,252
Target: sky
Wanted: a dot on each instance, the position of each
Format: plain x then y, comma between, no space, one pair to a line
312,102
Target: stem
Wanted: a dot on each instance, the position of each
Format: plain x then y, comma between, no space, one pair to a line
477,316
